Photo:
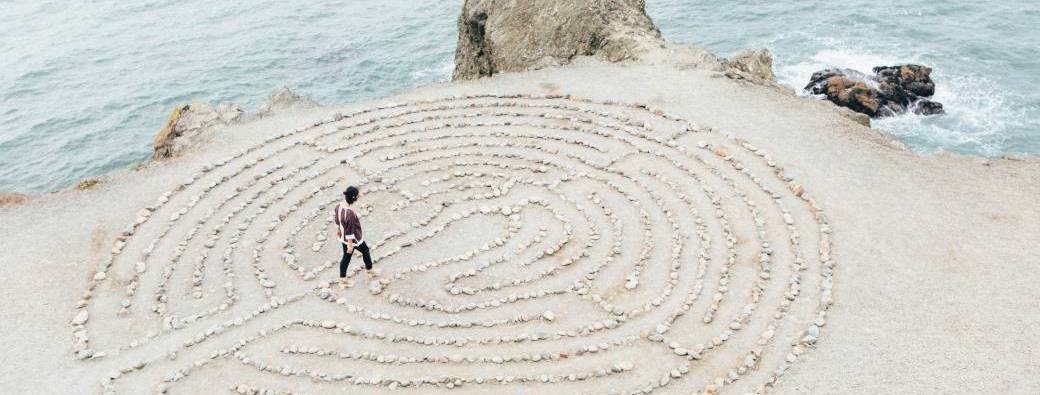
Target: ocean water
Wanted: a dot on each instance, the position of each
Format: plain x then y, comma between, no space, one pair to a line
985,57
84,86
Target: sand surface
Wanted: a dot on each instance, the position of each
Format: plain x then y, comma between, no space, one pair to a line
726,237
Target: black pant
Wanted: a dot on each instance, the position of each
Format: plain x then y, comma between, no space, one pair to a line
345,261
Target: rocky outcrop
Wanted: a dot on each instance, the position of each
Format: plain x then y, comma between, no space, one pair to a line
860,118
497,36
915,79
755,64
285,100
890,91
189,125
88,184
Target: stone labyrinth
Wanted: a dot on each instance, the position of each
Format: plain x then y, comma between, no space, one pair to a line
527,244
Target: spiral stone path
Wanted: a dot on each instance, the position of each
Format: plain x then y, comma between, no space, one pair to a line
525,244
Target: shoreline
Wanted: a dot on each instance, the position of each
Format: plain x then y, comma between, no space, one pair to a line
544,219
891,209
18,198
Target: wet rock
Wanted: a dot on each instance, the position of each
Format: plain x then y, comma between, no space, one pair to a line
914,78
846,91
892,90
497,36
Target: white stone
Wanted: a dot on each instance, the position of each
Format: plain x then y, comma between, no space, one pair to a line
81,318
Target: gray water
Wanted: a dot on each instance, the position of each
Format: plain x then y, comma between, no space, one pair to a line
85,86
985,55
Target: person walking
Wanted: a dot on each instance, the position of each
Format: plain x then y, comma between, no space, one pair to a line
349,233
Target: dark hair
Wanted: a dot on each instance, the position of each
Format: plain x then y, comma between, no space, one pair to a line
351,194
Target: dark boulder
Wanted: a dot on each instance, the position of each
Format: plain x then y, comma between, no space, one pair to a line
927,107
892,90
848,92
914,78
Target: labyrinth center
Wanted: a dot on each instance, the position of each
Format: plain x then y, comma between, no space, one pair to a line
524,244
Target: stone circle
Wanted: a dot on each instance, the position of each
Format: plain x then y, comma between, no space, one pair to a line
525,243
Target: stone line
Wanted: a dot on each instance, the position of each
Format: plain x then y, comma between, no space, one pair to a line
539,175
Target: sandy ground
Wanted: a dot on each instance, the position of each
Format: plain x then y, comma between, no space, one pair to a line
934,280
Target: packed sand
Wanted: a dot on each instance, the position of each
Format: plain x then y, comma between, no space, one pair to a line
590,229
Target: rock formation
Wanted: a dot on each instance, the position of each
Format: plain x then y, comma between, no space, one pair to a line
283,100
890,91
756,64
914,78
186,127
496,36
189,125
